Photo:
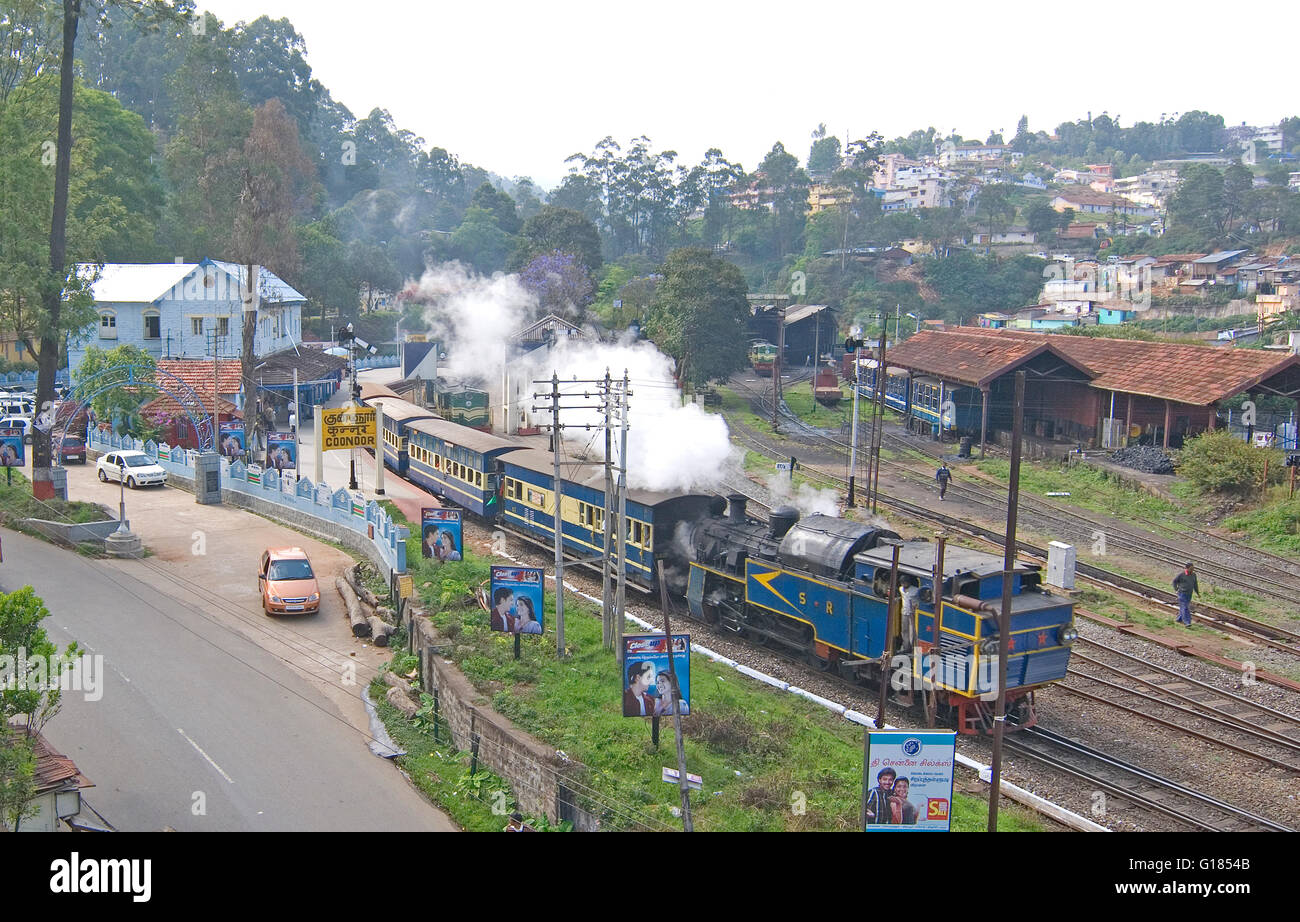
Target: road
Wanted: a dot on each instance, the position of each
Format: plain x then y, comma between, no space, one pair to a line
205,698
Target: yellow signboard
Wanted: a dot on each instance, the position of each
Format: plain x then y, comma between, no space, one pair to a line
405,585
349,426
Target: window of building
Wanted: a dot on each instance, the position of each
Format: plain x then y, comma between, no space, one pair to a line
223,326
108,325
196,326
152,325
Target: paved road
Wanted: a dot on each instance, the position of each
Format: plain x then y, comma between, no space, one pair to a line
203,692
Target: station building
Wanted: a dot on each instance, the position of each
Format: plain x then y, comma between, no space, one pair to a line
1094,391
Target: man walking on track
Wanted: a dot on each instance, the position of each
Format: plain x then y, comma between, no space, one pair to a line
1185,584
943,475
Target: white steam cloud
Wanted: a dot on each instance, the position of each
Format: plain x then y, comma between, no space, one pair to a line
809,500
671,447
472,315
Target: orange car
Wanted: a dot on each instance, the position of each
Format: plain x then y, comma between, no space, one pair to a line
287,583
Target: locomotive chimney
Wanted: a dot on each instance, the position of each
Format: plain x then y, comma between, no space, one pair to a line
736,507
781,520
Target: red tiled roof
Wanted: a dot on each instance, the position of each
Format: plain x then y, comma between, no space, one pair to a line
1195,375
1080,232
197,373
956,355
54,770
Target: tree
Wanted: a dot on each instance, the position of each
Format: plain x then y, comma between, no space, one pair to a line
1198,203
119,403
555,228
28,701
1042,220
993,202
1220,463
787,184
699,314
824,155
501,206
561,283
479,242
275,177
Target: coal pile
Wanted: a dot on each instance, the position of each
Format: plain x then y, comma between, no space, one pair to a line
1145,458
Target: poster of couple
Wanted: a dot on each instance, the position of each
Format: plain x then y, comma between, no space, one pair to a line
648,685
912,771
441,536
281,451
516,598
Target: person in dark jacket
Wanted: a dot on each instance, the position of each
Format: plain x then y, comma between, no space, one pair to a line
1185,584
943,475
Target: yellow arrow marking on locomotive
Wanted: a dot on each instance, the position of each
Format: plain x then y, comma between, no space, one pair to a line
766,580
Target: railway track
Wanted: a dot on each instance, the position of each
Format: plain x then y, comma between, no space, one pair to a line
1067,526
1126,786
1196,708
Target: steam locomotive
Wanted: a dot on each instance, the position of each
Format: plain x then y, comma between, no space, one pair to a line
816,586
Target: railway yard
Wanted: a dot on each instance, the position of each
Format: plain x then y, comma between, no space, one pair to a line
1156,727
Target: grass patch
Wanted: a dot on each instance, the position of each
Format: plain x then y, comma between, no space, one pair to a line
18,503
758,750
1089,488
442,772
1274,527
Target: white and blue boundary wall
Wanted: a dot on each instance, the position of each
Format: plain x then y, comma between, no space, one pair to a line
316,506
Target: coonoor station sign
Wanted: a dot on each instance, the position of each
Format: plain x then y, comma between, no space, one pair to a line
349,426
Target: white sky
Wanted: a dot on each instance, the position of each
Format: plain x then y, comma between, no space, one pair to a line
515,87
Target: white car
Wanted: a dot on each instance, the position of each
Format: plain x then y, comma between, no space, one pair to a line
139,469
19,422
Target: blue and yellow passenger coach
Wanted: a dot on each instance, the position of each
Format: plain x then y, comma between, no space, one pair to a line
399,414
457,463
528,506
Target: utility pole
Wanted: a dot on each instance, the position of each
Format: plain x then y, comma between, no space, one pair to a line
297,420
557,519
776,364
620,595
557,516
853,439
1004,619
216,397
878,418
606,587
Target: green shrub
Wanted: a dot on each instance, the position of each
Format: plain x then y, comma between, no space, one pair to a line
1219,462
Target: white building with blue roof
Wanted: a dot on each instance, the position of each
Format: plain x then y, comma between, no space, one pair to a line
186,310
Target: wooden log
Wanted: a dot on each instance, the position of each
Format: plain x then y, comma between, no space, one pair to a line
387,614
360,623
353,574
398,699
380,631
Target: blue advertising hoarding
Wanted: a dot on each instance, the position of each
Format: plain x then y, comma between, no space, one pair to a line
12,452
647,684
912,771
281,451
440,534
516,600
232,443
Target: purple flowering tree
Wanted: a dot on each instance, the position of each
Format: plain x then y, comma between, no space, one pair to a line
562,284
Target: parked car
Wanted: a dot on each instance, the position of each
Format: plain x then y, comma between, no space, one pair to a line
19,422
287,582
17,405
139,469
73,449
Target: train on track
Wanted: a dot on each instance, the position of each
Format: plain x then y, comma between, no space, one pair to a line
762,357
814,586
930,404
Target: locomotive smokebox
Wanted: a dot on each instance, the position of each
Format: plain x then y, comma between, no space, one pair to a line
736,507
781,520
717,506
